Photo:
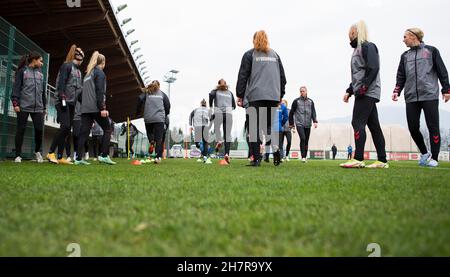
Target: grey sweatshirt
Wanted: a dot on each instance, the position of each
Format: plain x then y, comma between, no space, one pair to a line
155,106
418,73
94,92
261,77
222,101
29,90
200,117
69,82
302,113
365,68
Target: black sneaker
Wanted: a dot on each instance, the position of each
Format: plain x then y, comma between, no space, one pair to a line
255,163
277,158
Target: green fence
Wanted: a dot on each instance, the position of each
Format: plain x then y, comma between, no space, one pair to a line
13,45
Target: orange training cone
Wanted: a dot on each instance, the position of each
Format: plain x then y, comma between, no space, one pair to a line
223,162
136,162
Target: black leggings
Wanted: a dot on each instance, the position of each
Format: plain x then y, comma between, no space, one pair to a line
155,133
38,123
65,119
265,111
247,136
87,120
288,136
431,111
226,121
304,134
76,136
365,113
129,146
67,145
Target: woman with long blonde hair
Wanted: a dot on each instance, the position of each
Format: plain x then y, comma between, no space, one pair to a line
262,82
366,86
93,107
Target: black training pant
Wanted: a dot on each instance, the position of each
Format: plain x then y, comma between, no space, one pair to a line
38,123
265,111
87,119
226,121
155,133
304,134
130,146
365,113
65,119
431,111
288,136
76,136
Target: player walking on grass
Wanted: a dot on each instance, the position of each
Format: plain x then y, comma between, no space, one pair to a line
77,129
69,83
262,81
287,133
199,121
418,73
303,115
131,132
222,100
154,105
93,107
366,86
97,136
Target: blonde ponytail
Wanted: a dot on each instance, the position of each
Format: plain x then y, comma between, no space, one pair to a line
362,31
96,59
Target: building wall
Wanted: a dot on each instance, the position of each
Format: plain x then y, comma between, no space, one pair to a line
397,138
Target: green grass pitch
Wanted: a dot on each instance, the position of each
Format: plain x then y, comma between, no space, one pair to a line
183,208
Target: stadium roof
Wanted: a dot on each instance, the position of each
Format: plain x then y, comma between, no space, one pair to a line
93,26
